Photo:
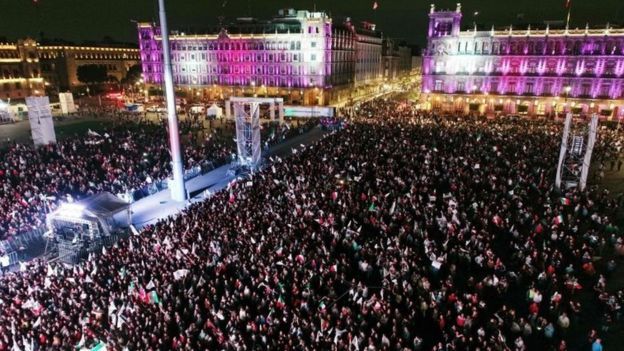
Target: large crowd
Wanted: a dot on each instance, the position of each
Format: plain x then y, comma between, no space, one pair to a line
402,231
124,158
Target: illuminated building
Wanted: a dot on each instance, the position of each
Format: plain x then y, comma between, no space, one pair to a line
28,68
529,71
59,63
301,56
20,75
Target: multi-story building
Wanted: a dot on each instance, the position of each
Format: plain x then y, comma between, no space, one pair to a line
20,74
368,66
416,65
405,60
27,68
299,55
396,59
59,63
522,71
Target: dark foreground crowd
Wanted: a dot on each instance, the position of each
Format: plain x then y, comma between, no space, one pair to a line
125,158
399,232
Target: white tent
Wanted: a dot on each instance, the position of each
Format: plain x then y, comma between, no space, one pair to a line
214,111
5,114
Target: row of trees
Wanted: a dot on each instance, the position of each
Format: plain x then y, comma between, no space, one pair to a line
98,74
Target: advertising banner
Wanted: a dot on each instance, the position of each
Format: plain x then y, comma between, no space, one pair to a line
67,103
40,117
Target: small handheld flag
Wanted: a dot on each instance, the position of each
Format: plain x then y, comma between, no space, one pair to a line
558,219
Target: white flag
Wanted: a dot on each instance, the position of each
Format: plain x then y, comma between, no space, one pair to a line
180,273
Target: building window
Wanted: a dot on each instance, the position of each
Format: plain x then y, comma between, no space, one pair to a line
313,57
585,89
528,88
439,86
494,87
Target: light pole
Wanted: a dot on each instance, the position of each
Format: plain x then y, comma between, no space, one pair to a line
178,191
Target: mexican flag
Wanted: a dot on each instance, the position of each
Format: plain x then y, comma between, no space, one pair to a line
558,219
153,296
565,201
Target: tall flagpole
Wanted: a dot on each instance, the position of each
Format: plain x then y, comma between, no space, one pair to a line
569,7
178,191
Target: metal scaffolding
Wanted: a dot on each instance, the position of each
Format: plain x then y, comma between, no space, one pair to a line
247,117
575,154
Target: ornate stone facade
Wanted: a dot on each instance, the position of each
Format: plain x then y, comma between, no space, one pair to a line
28,68
528,71
301,56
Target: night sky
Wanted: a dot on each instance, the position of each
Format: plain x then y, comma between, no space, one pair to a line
81,20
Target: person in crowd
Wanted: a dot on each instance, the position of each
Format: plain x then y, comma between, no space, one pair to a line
401,231
128,157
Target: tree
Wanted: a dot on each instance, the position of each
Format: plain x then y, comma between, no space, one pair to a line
92,74
133,75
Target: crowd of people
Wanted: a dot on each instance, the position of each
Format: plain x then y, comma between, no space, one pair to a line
125,158
402,231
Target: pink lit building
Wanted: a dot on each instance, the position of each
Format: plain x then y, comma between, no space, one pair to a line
528,71
301,56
